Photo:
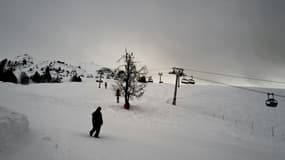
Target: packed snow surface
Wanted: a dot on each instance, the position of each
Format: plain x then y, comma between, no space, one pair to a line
12,125
208,123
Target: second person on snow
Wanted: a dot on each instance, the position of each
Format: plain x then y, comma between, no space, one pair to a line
97,122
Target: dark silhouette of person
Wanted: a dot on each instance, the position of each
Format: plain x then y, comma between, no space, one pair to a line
106,85
118,94
97,122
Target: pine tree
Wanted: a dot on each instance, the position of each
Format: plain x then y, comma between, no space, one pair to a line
24,78
127,81
9,76
2,67
75,78
36,78
46,76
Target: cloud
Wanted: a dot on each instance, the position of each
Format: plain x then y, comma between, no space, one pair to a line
235,36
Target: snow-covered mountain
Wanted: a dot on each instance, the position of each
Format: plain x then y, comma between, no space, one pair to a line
21,63
61,68
58,69
25,63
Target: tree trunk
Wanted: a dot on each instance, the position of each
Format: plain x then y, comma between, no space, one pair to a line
127,105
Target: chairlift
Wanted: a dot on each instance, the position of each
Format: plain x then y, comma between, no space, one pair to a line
271,102
188,80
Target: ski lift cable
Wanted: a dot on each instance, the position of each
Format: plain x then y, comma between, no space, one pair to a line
223,74
235,76
239,87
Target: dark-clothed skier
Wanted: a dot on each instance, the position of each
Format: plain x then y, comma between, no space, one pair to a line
106,85
97,122
118,94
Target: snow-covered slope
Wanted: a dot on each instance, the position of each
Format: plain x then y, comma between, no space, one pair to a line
209,122
12,125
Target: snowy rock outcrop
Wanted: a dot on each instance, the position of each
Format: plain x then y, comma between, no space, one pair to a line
59,70
11,125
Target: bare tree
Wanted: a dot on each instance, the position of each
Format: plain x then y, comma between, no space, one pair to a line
127,81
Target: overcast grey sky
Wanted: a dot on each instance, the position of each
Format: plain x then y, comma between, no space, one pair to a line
229,36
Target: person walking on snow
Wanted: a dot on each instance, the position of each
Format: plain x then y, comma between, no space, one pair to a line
106,85
97,122
118,94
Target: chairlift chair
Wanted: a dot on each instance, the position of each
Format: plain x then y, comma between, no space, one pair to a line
271,101
188,80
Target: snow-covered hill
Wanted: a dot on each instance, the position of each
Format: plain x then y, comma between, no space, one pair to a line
25,63
209,122
61,68
58,69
